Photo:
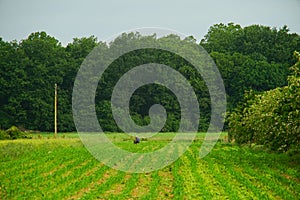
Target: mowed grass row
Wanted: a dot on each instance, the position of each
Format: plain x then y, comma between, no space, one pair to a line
62,168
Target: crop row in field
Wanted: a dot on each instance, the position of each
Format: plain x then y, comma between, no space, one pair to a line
63,169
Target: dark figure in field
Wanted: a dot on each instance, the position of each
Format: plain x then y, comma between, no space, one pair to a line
136,140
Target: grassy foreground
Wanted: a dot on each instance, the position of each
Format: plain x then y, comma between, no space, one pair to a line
61,168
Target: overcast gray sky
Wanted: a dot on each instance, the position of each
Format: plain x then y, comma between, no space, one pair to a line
68,19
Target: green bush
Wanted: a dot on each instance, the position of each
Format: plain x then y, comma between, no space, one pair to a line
3,135
270,118
13,133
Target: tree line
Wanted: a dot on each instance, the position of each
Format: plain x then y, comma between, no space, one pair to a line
254,57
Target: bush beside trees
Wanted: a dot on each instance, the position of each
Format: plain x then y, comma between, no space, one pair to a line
14,133
270,118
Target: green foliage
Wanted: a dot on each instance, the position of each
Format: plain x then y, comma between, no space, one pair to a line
13,133
271,118
244,72
254,57
274,45
3,135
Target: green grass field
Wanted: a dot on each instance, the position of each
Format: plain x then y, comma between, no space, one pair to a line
61,168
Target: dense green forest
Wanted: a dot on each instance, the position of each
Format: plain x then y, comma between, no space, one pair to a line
254,57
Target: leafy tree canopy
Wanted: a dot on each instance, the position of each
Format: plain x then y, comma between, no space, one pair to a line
254,57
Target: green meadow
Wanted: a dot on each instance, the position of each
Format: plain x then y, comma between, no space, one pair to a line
62,168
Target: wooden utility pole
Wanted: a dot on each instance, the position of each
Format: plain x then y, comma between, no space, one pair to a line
55,110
